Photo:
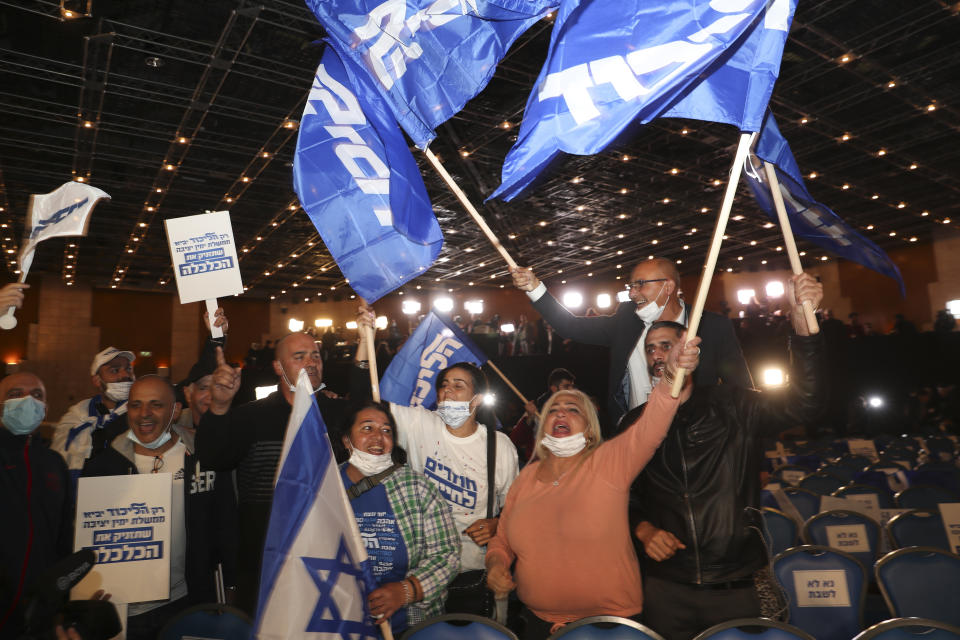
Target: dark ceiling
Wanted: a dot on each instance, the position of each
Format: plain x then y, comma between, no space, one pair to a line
179,106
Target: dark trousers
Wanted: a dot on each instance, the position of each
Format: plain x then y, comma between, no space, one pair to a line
680,611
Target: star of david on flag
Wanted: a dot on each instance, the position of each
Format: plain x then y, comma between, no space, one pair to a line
809,219
316,575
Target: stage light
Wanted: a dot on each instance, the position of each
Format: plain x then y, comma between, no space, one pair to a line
603,301
953,306
295,325
381,322
746,295
352,325
323,323
507,328
773,377
410,307
572,299
623,296
443,304
875,402
263,392
774,289
474,306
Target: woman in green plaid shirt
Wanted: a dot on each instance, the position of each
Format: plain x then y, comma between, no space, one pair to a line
413,545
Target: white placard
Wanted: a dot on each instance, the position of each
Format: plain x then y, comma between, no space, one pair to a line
125,520
851,538
950,512
865,448
793,476
869,501
204,256
771,486
821,588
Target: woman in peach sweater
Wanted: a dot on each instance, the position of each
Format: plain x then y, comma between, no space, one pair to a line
565,518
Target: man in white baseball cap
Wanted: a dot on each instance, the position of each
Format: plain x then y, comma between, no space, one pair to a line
90,425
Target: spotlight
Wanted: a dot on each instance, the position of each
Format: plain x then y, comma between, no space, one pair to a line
875,402
410,307
295,325
773,377
774,289
443,304
572,299
746,295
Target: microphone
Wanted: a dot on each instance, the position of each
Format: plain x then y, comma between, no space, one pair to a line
48,602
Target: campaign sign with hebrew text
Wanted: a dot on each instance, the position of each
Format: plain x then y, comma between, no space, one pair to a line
125,521
204,256
821,588
951,523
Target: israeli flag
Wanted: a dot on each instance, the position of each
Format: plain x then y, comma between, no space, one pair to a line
616,62
437,343
359,183
809,219
427,57
316,576
65,211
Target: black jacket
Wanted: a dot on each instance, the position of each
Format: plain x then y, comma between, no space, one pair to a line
249,438
720,359
210,518
703,483
49,509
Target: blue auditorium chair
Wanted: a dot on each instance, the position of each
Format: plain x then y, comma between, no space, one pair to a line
924,496
910,629
918,528
754,629
921,582
458,626
821,483
884,497
839,619
606,628
208,621
780,530
817,530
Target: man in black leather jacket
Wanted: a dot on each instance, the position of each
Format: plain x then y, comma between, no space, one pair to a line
695,508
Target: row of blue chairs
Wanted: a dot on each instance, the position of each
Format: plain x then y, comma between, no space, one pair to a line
915,528
465,627
807,502
826,589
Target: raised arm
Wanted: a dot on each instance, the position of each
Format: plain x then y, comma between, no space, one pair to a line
598,330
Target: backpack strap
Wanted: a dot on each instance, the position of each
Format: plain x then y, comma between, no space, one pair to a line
369,482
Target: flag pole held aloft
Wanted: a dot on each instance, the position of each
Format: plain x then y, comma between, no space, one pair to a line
746,139
789,241
462,197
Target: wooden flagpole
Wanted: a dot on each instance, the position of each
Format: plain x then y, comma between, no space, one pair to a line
746,139
505,379
789,241
462,197
368,336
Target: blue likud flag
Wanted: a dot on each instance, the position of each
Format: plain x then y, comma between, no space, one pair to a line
809,219
427,57
612,63
316,576
360,185
437,343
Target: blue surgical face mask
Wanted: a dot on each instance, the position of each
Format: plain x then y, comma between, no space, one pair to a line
21,416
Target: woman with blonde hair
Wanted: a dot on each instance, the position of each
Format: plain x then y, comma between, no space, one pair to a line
565,518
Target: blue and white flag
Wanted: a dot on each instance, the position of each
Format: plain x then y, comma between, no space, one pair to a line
65,211
809,219
427,57
435,345
616,62
316,576
360,185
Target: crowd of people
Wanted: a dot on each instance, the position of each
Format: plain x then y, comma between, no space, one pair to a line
656,522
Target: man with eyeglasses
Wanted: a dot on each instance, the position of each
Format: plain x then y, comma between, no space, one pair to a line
653,289
200,505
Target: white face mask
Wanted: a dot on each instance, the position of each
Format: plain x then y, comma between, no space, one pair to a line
369,464
293,388
564,447
118,391
454,412
651,311
155,444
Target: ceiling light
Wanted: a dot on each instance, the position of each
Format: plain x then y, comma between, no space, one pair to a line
891,84
845,187
684,132
290,124
623,191
804,120
901,205
882,152
931,107
812,175
845,137
913,166
845,58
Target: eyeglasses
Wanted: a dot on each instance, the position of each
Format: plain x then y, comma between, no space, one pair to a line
157,464
637,284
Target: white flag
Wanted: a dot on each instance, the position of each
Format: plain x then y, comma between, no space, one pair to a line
65,211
